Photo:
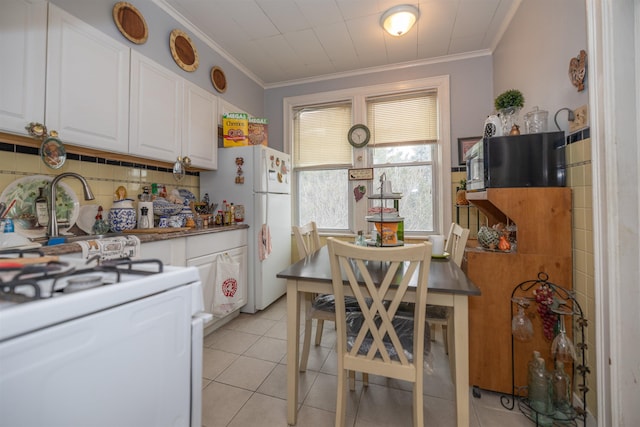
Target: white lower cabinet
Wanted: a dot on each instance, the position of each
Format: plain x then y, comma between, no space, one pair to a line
170,252
203,251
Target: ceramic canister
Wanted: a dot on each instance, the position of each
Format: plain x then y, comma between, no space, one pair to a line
122,215
437,242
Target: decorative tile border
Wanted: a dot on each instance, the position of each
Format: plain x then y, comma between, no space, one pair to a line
89,159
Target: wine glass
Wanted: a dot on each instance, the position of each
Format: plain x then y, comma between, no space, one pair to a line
562,348
521,325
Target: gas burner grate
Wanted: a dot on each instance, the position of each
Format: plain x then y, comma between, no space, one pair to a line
8,291
127,265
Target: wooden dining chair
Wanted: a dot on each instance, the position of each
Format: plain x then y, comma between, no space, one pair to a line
308,241
438,315
370,340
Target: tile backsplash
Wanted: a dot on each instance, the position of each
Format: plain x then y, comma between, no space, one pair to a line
104,176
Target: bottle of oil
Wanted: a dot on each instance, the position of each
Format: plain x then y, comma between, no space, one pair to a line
42,213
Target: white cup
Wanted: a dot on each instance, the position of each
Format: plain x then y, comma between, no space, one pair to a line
437,242
386,187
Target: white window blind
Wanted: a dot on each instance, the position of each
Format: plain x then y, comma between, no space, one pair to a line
320,135
403,118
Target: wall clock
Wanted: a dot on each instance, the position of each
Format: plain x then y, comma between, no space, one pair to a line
183,50
359,136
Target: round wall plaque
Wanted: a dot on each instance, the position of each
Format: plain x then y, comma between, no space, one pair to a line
218,79
130,22
183,50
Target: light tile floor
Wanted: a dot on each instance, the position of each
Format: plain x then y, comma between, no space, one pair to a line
245,383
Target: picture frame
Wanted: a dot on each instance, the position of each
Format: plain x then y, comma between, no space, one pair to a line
360,174
464,144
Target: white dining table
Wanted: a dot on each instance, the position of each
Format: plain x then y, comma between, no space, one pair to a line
448,286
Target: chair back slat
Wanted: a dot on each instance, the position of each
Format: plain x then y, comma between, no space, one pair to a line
456,242
307,239
371,274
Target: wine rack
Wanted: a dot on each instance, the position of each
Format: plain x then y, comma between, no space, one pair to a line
565,304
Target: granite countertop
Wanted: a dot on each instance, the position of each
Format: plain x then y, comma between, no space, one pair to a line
68,248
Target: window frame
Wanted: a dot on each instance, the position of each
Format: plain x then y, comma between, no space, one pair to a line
357,96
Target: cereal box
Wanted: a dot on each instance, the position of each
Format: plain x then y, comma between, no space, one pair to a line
235,128
258,132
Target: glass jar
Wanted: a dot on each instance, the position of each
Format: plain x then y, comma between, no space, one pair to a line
535,121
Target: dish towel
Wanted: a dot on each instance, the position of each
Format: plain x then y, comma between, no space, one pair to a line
264,242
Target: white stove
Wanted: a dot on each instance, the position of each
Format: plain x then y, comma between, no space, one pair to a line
100,344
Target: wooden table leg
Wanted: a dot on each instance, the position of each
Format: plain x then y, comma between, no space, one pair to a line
293,334
461,358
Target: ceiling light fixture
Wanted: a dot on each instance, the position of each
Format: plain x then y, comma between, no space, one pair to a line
399,19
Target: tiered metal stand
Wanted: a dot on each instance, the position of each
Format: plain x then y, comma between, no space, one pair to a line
519,394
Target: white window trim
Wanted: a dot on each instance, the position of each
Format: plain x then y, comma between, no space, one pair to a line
357,96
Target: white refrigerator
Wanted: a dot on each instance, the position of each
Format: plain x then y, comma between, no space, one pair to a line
259,178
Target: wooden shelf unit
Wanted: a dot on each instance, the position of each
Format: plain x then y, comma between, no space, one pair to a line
544,244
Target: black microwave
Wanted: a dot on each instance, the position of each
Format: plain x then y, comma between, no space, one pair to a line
531,160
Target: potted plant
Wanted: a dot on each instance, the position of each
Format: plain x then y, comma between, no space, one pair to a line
461,194
508,104
509,99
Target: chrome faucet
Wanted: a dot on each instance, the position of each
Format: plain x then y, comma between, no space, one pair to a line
52,226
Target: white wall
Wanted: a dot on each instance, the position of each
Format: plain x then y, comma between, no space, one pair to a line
534,53
471,94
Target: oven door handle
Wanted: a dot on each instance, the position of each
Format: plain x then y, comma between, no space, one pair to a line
197,336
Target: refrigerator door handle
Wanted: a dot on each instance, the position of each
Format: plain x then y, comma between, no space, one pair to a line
265,168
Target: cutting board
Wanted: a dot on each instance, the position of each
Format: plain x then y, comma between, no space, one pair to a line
156,230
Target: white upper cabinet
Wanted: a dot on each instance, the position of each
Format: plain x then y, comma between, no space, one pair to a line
200,130
23,42
171,116
156,110
87,84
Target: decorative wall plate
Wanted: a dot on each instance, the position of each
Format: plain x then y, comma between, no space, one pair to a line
578,70
218,79
25,190
52,153
130,22
183,51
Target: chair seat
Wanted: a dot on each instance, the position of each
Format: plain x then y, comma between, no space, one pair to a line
402,323
437,312
327,302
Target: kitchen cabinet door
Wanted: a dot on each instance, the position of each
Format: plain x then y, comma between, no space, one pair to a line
156,110
23,43
87,84
200,130
207,267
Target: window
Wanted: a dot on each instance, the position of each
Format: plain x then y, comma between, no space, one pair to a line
404,130
321,160
409,123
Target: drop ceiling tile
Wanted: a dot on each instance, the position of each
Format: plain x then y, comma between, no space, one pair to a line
320,12
307,46
336,42
284,14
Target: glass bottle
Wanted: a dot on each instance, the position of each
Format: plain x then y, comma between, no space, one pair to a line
42,211
400,232
360,239
540,388
561,387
